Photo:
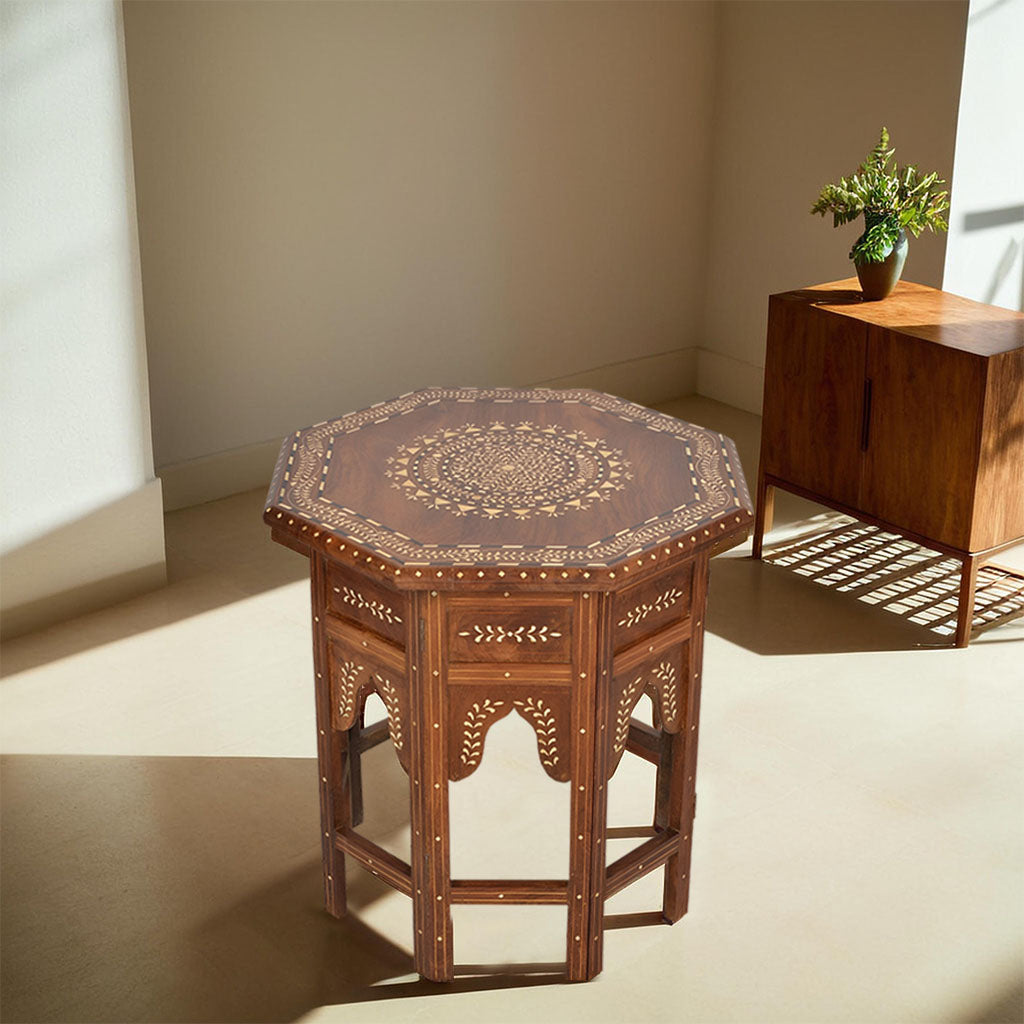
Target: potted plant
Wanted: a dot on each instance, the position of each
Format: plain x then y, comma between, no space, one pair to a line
893,202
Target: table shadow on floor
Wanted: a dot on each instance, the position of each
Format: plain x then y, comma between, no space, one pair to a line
1006,1007
189,889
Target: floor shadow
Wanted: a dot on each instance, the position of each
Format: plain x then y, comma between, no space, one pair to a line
65,557
890,572
189,889
1005,1008
842,585
217,554
770,611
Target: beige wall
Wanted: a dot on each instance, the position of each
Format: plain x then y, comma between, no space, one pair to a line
802,90
341,202
81,523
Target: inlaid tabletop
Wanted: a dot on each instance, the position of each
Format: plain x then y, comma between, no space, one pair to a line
468,477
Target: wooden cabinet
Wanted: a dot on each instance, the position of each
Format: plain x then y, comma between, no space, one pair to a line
814,382
908,413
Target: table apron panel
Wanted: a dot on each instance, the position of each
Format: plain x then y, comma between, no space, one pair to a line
472,710
651,647
525,674
352,594
512,628
646,607
389,655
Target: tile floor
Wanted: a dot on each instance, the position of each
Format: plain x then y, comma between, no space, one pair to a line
859,847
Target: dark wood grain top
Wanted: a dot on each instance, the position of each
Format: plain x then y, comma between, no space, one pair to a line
504,477
922,312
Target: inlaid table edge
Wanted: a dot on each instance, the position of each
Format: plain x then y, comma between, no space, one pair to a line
719,534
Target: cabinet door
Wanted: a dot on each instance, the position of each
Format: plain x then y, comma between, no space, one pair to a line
923,436
813,399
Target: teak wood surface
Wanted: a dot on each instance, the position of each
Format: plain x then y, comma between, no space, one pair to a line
907,413
479,553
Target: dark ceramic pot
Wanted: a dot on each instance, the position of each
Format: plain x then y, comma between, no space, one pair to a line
877,280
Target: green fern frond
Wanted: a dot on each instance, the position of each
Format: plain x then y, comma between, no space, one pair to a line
890,199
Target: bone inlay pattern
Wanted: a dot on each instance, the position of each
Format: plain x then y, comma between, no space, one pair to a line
473,730
496,634
623,712
662,684
480,713
499,469
668,692
645,608
389,695
378,609
352,683
348,690
543,720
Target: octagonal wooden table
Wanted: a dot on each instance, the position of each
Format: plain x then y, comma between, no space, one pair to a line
476,553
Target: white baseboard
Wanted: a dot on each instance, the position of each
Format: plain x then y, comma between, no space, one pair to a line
730,380
648,380
112,554
216,476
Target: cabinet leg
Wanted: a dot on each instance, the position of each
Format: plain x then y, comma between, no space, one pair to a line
764,513
965,609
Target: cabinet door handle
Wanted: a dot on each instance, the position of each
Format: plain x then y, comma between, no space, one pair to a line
865,427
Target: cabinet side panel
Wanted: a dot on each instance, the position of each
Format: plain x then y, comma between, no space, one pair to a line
813,399
924,434
999,500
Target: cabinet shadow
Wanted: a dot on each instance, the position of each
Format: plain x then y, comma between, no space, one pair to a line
842,586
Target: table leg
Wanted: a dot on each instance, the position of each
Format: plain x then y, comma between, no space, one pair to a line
332,755
965,607
355,770
681,768
764,514
663,782
588,813
680,807
431,873
589,795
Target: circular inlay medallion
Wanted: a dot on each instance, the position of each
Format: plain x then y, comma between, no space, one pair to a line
508,469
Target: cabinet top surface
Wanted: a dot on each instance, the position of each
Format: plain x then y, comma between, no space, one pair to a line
500,476
922,312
